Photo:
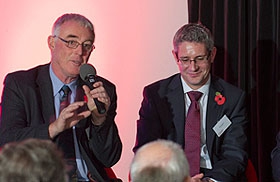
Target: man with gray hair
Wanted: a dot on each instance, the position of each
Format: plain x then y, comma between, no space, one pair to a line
160,160
51,101
32,160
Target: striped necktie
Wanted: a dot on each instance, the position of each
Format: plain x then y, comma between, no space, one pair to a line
65,100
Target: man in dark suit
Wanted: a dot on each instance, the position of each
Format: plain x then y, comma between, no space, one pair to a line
31,101
223,154
275,159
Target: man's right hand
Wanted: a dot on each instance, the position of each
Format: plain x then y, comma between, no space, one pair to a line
68,118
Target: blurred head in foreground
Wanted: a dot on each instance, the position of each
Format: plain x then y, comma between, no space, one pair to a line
32,160
160,160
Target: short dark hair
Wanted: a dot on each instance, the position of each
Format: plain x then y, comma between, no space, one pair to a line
193,32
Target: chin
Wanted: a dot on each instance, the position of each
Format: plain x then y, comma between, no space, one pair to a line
195,84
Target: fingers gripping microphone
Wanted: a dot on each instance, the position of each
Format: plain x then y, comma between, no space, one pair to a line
88,74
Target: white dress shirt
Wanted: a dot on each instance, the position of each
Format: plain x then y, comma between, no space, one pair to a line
205,161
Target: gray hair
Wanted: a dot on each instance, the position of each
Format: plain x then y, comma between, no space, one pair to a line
33,160
170,165
75,17
193,32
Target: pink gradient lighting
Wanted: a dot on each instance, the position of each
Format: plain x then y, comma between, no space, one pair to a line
133,47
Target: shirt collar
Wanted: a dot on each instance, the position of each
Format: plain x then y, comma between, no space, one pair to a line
57,83
204,89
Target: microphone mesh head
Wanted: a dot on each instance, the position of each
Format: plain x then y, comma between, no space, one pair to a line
86,70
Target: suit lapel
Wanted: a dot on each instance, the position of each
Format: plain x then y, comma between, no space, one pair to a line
214,112
175,97
46,93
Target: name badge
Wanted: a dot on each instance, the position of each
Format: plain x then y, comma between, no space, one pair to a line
222,125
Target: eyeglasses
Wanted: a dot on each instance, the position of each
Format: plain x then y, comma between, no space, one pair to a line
198,60
87,45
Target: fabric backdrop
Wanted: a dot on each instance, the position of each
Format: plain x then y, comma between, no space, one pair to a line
247,36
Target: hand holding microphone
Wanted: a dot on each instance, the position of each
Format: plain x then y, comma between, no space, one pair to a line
88,75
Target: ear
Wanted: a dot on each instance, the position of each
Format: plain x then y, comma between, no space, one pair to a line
51,42
213,54
175,56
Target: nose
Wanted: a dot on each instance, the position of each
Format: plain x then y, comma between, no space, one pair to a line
193,65
79,50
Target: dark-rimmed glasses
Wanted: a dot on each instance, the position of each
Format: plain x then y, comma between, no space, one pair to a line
198,59
87,45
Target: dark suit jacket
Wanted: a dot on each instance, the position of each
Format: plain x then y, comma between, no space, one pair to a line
162,115
275,159
28,109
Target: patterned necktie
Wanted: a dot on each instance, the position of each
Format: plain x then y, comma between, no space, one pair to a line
65,100
65,138
192,133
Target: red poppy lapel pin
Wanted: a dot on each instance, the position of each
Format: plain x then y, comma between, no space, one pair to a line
220,99
85,98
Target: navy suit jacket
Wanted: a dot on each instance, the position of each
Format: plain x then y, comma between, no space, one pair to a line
28,108
162,115
275,159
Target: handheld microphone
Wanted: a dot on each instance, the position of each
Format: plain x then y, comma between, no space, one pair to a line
88,75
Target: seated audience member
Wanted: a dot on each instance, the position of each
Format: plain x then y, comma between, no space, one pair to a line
160,160
32,160
275,159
